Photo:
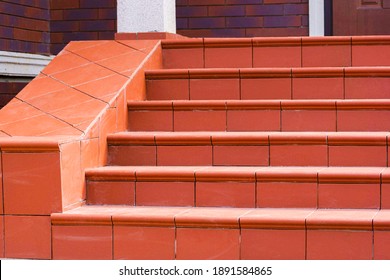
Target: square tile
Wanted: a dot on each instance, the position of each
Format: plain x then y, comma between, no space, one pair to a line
286,194
184,155
268,244
27,237
110,193
144,243
352,195
32,183
241,155
298,155
132,155
165,194
339,245
207,244
227,194
79,242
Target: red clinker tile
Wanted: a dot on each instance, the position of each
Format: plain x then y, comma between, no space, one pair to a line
286,194
2,238
365,51
41,191
144,243
308,120
363,120
266,88
159,120
298,155
27,237
110,193
318,88
132,155
227,194
187,53
184,155
241,155
223,53
277,52
382,235
200,120
165,194
82,242
340,234
366,87
385,189
339,245
214,89
167,89
357,155
334,52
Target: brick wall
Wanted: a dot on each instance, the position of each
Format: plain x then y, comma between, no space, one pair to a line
8,90
242,18
24,26
46,26
81,20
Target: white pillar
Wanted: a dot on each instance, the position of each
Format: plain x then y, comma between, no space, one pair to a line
146,16
316,18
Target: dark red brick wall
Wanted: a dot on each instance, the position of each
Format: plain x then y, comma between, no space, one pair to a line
8,90
24,26
72,20
242,18
46,26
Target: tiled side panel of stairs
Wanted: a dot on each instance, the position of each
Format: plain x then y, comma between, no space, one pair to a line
246,149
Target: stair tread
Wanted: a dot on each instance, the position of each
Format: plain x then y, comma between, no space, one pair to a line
310,218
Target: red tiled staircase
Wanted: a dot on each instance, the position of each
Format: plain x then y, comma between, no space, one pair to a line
245,149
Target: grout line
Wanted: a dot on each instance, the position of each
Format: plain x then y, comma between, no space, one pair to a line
112,239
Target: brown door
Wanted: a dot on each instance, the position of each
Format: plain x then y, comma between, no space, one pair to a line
361,17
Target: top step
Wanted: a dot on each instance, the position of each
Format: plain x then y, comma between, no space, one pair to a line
277,52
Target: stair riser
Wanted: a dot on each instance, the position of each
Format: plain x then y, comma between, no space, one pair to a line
269,88
259,120
260,194
282,52
249,155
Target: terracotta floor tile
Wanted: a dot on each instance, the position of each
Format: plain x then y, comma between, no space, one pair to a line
207,244
111,193
296,120
104,88
240,57
144,243
132,155
183,58
298,155
41,191
318,88
241,155
214,89
27,237
92,242
103,51
265,244
150,121
39,87
363,196
227,194
16,111
165,193
381,245
339,245
200,120
64,62
184,155
367,87
83,74
286,56
287,194
168,89
260,120
266,88
331,55
2,238
363,120
369,55
357,156
79,45
123,63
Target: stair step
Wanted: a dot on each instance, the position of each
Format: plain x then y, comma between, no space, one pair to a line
248,148
120,232
248,187
260,115
329,51
268,83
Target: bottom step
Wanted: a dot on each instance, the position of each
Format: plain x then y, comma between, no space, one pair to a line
120,232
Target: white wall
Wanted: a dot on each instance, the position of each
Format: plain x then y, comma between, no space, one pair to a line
146,16
316,18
